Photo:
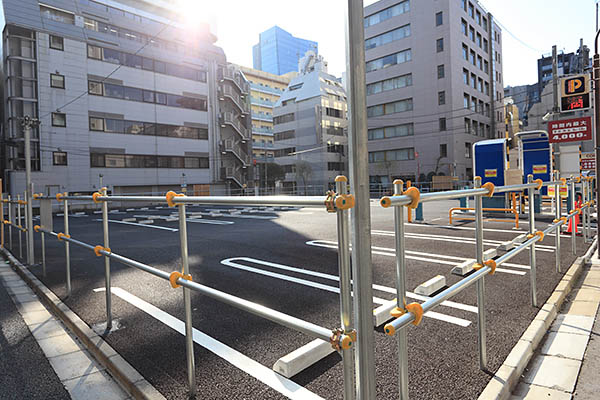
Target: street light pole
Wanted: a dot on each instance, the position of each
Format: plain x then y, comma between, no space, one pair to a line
28,123
361,213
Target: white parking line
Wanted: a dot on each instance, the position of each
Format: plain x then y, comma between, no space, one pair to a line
392,253
210,221
143,225
230,262
457,239
265,375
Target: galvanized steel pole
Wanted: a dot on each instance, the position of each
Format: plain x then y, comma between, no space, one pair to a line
361,218
67,248
583,212
343,231
19,225
187,303
532,273
480,285
27,123
596,77
573,224
401,293
10,219
558,203
43,255
107,283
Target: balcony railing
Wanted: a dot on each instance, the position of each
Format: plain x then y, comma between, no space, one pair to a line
234,148
236,78
227,91
234,174
265,89
260,102
266,131
262,117
229,119
265,145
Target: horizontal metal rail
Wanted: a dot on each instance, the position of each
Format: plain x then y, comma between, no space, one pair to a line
280,318
514,188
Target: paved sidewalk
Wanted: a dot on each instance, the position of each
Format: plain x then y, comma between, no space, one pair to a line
562,368
38,357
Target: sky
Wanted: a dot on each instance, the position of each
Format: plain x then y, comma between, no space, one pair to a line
538,24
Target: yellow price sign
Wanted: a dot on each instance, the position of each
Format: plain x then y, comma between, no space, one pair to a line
491,173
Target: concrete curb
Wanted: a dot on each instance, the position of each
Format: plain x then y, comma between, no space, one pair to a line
124,374
506,378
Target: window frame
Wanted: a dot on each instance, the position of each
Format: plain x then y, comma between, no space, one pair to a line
60,76
56,114
55,153
62,42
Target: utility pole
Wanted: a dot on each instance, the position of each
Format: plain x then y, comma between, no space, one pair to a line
597,118
361,213
28,123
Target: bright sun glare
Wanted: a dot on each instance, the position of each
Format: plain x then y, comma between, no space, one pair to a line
197,12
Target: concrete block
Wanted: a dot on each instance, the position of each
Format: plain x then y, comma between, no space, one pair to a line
519,355
565,345
585,308
130,209
171,219
96,385
125,368
382,313
148,391
97,212
79,213
553,372
236,212
129,220
463,268
215,214
490,253
36,317
302,358
505,246
144,209
58,345
586,295
576,324
535,332
73,365
431,286
525,391
520,239
146,221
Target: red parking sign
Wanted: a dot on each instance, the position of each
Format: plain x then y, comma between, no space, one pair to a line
570,130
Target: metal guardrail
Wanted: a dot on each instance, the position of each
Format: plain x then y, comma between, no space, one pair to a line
341,339
339,202
404,313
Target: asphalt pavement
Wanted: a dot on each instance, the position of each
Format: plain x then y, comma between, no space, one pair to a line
287,260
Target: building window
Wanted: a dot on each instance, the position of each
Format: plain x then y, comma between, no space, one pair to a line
442,124
473,104
485,45
466,98
441,98
440,71
472,33
473,81
486,67
57,42
59,119
439,19
388,13
392,155
484,24
389,60
443,150
467,125
390,108
480,63
478,17
59,158
473,58
57,81
467,150
95,88
465,52
471,10
439,45
389,84
96,124
480,84
281,119
380,40
391,131
479,40
465,76
94,52
463,27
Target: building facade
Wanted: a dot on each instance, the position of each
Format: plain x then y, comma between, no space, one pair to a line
310,128
434,87
124,92
278,51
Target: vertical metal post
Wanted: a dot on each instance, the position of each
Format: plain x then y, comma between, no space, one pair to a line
343,231
480,285
557,216
532,271
401,293
19,225
573,224
67,249
596,78
588,215
583,213
27,123
2,205
187,302
43,255
10,219
107,283
361,213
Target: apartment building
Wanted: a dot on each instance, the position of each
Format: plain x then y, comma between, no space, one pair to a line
310,128
123,91
434,87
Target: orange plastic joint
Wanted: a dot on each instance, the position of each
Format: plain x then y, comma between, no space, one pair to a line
98,248
563,219
171,195
37,196
344,201
385,202
490,187
417,310
398,182
540,234
492,264
61,235
36,228
577,179
563,181
578,210
95,197
7,222
539,182
176,275
414,194
341,178
330,201
341,340
59,196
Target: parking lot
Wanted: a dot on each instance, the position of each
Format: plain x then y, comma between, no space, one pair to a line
286,259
